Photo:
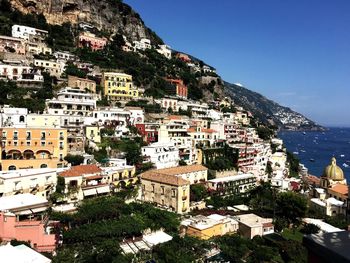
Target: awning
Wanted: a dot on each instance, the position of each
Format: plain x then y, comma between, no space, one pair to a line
37,210
103,189
24,212
94,177
89,192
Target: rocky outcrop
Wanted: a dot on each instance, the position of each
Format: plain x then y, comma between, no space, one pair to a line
106,15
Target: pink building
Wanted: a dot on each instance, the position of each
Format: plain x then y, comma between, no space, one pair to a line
12,45
89,40
22,218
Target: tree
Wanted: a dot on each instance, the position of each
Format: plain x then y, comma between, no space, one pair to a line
268,170
310,229
74,159
182,162
198,192
265,133
293,165
291,206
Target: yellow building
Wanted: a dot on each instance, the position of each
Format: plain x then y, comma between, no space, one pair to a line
206,227
167,191
93,133
25,148
118,86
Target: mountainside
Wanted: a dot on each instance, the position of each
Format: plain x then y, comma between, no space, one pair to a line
110,16
113,18
269,111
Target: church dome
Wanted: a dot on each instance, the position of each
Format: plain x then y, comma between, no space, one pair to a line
333,171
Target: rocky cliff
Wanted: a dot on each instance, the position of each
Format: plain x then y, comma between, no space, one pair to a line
111,16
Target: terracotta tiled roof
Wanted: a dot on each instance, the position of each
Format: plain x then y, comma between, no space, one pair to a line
208,130
191,130
175,117
164,178
81,170
340,188
312,179
179,170
182,169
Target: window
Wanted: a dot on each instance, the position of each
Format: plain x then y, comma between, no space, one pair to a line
173,193
15,135
43,144
163,190
21,118
152,188
43,135
28,135
61,146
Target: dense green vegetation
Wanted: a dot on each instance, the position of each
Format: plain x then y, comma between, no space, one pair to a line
198,192
74,159
286,208
130,147
148,107
94,232
293,165
220,158
238,249
265,133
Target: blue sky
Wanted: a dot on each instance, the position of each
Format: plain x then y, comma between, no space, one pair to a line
295,52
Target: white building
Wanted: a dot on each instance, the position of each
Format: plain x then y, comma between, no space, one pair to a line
64,55
329,206
176,131
54,68
109,115
165,50
38,48
41,182
251,225
240,183
143,44
163,155
167,103
72,102
27,33
21,254
13,71
137,115
13,117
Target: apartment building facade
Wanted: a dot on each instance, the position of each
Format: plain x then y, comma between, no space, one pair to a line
26,148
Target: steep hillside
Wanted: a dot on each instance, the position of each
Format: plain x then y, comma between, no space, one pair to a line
110,16
113,18
267,110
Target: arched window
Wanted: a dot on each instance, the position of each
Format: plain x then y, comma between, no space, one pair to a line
44,165
21,118
12,167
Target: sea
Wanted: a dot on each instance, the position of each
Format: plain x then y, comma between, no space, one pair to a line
315,149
